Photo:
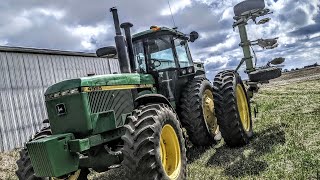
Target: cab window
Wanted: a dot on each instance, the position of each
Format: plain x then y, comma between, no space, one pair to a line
160,53
139,57
182,53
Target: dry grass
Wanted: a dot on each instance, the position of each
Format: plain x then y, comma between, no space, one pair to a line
8,165
286,144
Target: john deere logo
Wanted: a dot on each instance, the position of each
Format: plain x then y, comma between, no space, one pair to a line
61,109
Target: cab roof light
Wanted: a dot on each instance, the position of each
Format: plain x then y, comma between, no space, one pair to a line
155,28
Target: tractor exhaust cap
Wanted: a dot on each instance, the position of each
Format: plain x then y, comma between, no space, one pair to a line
120,44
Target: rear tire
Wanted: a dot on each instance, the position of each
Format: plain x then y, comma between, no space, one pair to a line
25,170
154,146
197,114
232,108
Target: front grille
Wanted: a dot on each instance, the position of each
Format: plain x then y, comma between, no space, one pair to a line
120,101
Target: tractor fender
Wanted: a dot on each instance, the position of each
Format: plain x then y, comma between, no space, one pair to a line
151,98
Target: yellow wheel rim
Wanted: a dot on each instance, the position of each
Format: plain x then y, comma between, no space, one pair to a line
243,107
208,112
73,176
170,152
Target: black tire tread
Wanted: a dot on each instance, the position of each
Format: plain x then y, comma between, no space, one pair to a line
141,142
192,115
226,109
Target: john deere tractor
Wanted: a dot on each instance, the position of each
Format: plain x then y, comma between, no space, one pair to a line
134,119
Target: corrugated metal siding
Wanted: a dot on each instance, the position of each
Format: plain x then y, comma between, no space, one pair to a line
23,79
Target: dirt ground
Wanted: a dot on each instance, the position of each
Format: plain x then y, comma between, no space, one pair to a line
242,163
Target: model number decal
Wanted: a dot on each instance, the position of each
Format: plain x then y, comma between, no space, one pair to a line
115,87
95,88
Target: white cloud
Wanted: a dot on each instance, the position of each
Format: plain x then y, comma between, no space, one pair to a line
3,42
83,25
227,14
16,25
175,7
86,33
57,14
230,42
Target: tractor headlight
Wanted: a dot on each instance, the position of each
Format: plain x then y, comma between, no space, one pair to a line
190,70
184,72
55,95
49,96
74,91
63,93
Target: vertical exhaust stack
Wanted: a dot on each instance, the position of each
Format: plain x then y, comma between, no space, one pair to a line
120,44
126,27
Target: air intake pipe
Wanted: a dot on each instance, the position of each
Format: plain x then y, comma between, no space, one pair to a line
120,44
126,27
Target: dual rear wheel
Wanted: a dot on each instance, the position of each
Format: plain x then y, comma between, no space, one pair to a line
232,108
207,110
197,112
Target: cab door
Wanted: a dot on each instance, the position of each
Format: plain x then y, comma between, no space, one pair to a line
185,65
162,64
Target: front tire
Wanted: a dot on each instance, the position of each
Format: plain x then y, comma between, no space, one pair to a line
232,108
154,146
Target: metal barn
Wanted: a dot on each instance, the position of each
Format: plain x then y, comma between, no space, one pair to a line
25,73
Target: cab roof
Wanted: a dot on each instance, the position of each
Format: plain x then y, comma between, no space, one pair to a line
159,30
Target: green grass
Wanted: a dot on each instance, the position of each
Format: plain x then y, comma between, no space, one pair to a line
286,144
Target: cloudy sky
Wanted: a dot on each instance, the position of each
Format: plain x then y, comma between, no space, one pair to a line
82,25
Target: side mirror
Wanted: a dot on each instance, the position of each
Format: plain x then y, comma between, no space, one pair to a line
108,52
182,43
193,36
277,61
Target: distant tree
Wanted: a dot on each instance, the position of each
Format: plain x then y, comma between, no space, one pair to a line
292,69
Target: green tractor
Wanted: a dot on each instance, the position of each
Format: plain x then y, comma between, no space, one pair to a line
135,119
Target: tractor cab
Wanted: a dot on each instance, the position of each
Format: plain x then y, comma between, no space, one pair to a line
164,53
161,49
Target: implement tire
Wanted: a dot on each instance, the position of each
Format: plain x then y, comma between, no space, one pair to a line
154,146
232,108
25,170
197,112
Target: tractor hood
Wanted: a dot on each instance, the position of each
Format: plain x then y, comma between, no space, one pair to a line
101,80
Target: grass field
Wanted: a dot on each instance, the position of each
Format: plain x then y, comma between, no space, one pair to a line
286,144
